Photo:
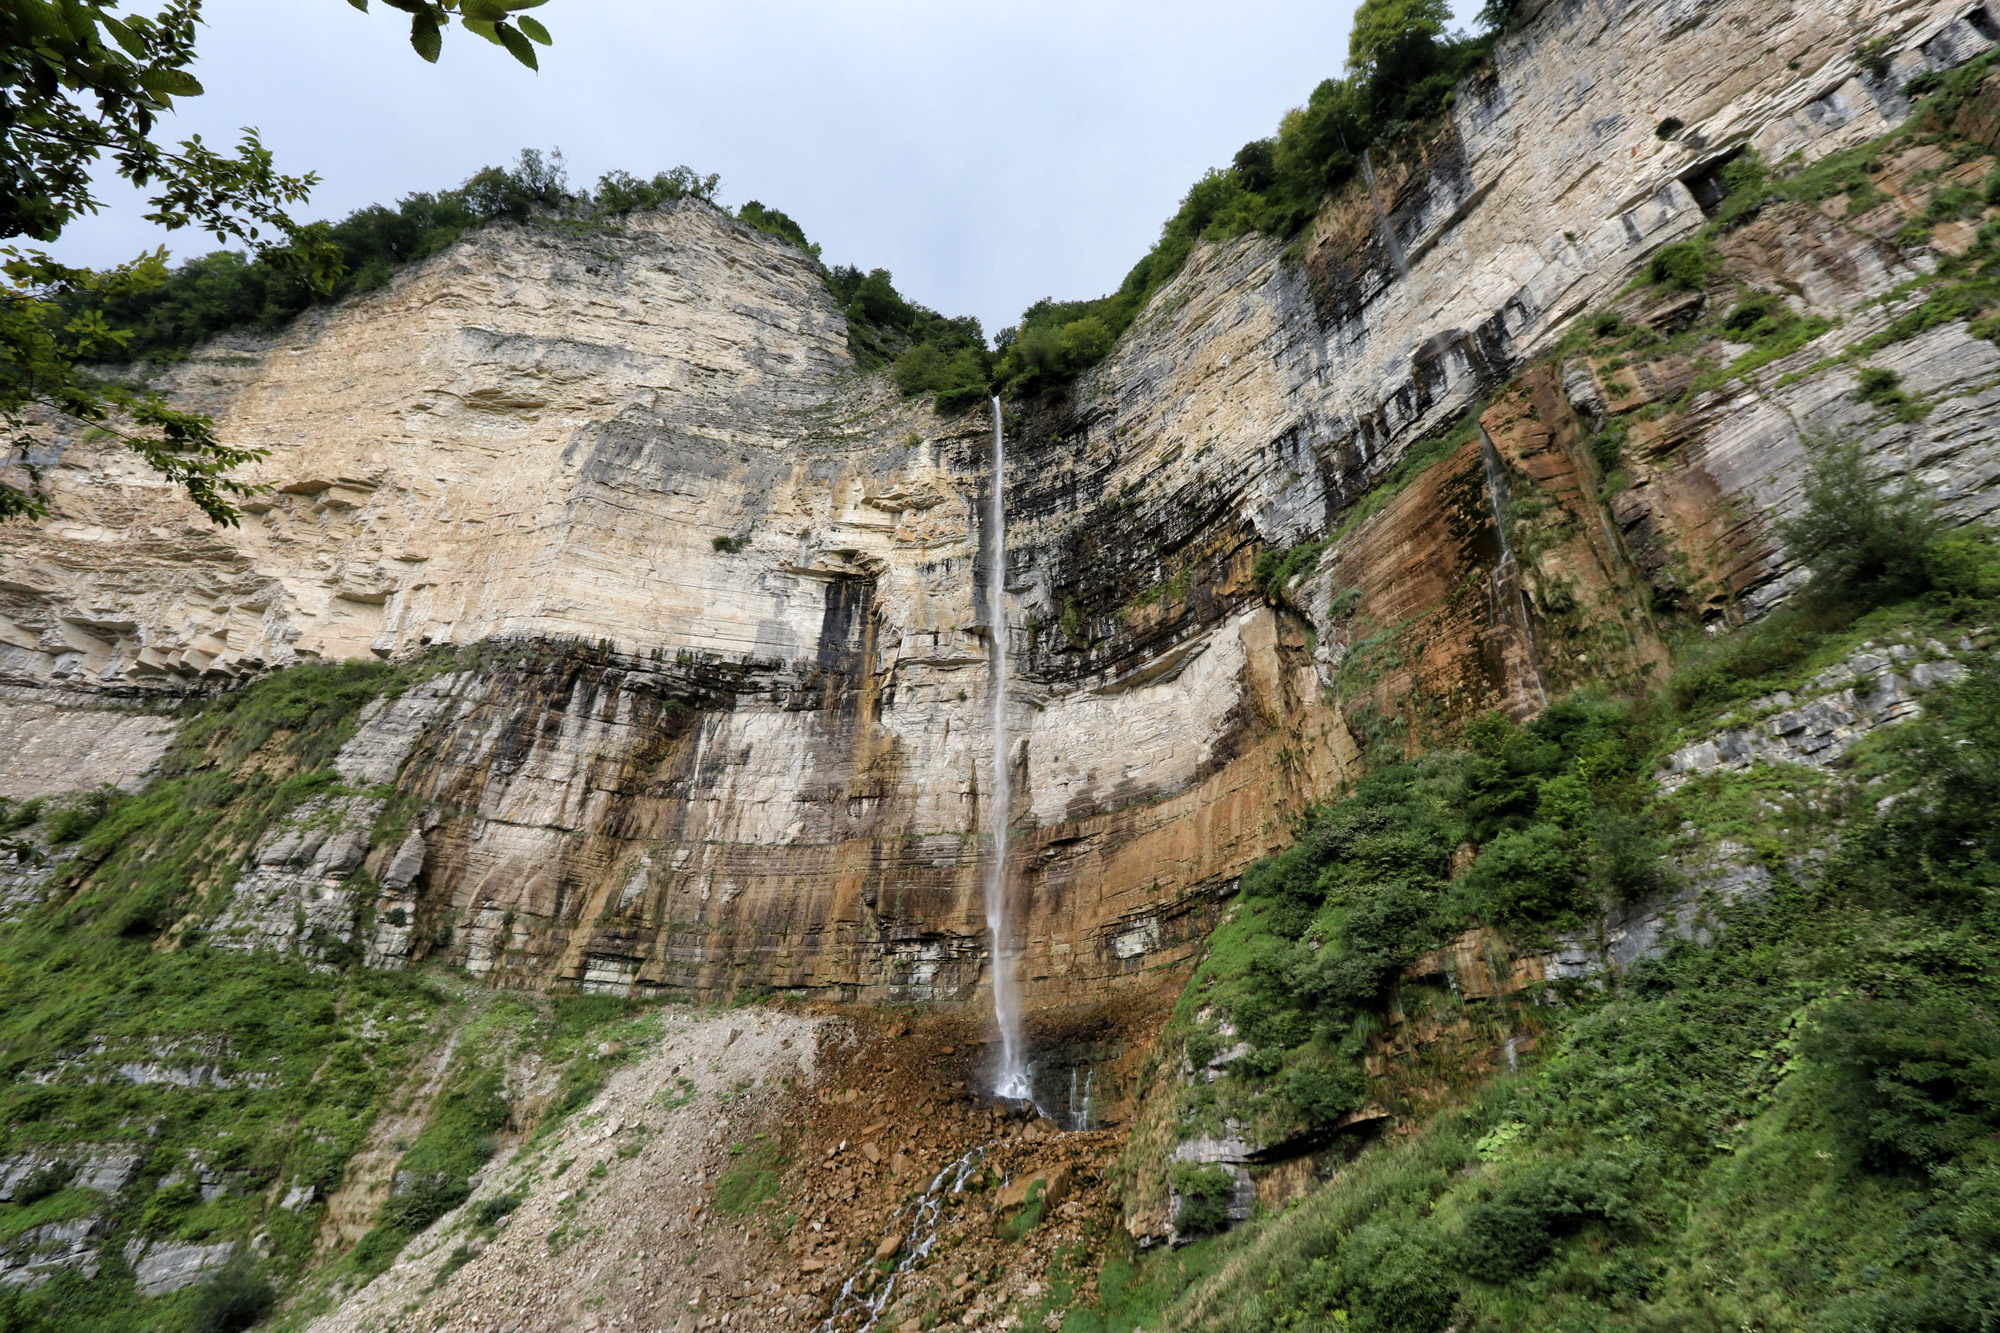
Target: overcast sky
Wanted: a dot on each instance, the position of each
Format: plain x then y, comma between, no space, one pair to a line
987,154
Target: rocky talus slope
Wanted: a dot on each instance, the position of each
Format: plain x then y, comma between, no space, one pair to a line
662,673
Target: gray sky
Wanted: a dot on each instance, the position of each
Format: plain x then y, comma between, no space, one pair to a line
987,154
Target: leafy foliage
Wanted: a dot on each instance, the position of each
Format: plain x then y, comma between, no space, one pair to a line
1205,1194
1860,537
498,21
1807,1102
929,353
82,82
227,290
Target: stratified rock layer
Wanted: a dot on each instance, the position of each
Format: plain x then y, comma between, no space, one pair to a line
735,728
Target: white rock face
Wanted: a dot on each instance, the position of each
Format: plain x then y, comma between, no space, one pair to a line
759,755
55,744
1875,687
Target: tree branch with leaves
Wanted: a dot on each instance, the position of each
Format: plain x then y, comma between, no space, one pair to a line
82,82
498,21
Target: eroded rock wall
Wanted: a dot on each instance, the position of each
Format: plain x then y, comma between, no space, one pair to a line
735,729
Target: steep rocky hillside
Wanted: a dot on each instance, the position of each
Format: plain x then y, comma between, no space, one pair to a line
1411,671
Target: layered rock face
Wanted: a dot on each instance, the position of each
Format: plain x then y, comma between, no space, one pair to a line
732,726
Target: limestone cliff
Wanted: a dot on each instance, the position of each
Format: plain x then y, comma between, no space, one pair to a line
736,737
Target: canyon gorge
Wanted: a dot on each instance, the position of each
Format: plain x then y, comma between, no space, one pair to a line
655,685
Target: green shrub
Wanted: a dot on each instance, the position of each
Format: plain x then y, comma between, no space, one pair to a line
1684,266
80,814
1881,388
167,1207
1396,1280
1324,1091
1205,1193
1527,876
488,1212
883,327
1964,566
1276,569
1860,538
1755,658
619,192
774,223
956,380
1913,1086
14,818
231,1301
1514,1232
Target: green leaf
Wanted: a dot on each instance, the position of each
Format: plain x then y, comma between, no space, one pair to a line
122,33
81,22
361,5
516,44
513,5
487,11
535,30
166,81
426,37
483,27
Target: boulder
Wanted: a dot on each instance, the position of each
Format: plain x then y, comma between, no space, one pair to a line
1015,1194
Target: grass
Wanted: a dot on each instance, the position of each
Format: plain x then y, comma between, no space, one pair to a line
115,973
752,1182
1707,1143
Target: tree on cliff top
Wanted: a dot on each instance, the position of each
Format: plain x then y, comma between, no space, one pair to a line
80,82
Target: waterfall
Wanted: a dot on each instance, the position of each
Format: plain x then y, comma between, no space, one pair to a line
1512,601
1012,1080
1384,228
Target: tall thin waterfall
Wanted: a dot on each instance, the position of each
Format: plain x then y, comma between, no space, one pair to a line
1506,581
1012,1080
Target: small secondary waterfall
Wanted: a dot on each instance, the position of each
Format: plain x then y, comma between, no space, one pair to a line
1012,1079
1382,225
1506,585
865,1295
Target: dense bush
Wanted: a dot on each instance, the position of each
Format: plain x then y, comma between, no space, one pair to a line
1557,814
225,290
1914,1086
930,353
1806,1100
1513,1232
1205,1193
231,1301
1862,537
774,223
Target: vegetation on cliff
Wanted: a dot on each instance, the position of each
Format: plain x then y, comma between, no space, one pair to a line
1788,1116
1790,1125
167,1088
1403,70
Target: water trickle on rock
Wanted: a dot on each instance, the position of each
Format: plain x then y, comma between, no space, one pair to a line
1012,1080
917,1224
1510,598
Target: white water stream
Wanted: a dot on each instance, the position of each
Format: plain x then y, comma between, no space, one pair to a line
918,1224
1011,1081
